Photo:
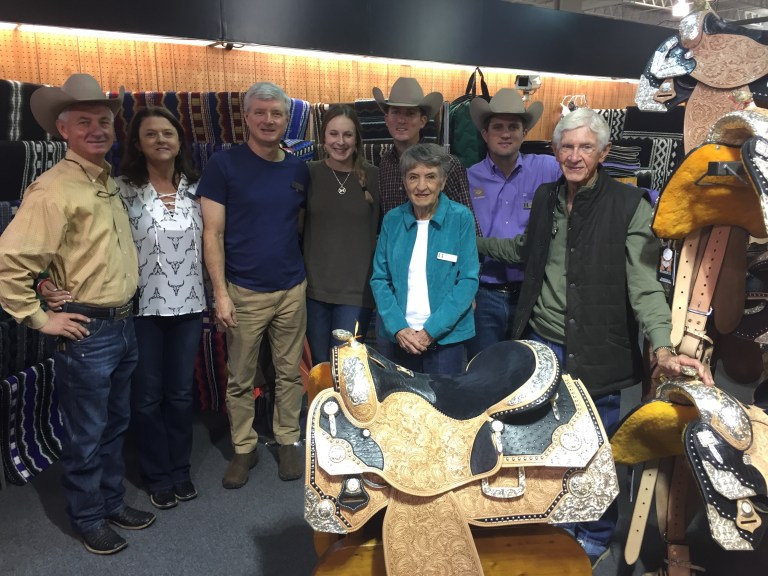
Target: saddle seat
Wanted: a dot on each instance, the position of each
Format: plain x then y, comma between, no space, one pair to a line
508,377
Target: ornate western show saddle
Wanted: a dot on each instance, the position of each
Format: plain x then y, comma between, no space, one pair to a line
712,213
511,441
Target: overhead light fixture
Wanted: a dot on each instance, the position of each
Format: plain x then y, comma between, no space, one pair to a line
680,9
224,45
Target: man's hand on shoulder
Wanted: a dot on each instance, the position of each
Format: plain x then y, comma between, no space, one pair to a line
66,324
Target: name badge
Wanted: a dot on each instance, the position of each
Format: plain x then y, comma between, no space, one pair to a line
447,257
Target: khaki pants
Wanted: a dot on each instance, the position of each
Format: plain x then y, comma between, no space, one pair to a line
283,315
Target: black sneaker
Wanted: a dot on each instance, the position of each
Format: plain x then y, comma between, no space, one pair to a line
103,540
131,519
185,491
163,499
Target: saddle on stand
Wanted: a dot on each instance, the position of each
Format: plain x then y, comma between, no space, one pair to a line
721,446
511,441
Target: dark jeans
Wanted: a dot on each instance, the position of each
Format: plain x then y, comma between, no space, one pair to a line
593,536
448,359
494,312
93,381
323,318
162,398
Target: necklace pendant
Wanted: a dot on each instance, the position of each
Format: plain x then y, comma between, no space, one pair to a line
342,190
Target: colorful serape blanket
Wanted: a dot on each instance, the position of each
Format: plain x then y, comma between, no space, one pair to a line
23,161
31,427
16,121
211,367
207,117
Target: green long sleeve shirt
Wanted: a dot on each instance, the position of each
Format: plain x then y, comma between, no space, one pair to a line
646,294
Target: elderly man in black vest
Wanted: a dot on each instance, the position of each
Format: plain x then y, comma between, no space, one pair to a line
590,278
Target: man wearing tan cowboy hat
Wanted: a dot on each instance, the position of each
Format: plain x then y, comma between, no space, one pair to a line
72,223
501,188
406,112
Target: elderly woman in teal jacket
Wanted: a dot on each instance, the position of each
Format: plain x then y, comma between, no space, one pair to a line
425,270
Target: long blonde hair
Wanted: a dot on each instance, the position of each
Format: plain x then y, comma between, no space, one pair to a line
358,158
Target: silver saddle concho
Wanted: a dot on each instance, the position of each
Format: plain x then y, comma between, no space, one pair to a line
511,441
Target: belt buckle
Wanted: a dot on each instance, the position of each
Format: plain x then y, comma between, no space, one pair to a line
122,312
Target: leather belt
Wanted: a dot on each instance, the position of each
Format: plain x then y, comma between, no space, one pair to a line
641,511
507,287
99,312
695,339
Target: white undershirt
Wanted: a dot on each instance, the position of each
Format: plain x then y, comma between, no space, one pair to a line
417,309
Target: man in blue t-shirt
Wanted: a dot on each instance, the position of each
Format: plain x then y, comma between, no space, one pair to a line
253,197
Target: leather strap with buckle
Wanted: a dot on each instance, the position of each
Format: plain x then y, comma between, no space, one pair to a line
695,341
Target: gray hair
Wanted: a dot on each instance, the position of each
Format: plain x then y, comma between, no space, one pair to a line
579,118
266,91
430,155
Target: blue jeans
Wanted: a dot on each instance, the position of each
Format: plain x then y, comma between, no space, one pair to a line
494,312
323,318
595,537
93,378
447,359
162,398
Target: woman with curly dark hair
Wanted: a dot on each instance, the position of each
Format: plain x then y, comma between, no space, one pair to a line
158,187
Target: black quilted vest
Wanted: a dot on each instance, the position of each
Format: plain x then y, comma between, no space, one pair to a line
601,332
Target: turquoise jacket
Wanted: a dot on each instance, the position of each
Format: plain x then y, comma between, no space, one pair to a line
452,271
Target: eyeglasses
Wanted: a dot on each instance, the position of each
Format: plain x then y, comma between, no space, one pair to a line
580,149
99,193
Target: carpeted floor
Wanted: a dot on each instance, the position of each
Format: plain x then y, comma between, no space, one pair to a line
258,530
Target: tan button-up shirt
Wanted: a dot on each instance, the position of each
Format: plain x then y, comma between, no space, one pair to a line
72,223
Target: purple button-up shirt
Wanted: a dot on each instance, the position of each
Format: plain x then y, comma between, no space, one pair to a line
502,205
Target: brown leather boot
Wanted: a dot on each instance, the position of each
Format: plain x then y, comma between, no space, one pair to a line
237,472
291,461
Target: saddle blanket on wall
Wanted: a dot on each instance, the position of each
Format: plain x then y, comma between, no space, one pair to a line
31,427
16,120
24,161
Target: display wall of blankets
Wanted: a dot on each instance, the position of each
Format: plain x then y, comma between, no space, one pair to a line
30,425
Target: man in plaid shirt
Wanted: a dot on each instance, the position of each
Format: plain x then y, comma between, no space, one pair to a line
406,112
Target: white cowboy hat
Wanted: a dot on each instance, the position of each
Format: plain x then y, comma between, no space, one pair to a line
506,101
48,102
407,92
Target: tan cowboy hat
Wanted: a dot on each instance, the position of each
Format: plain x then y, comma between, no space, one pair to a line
506,101
407,92
48,102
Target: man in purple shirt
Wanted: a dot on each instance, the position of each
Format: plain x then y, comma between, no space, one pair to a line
501,187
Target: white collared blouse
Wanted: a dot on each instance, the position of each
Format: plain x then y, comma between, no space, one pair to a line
169,247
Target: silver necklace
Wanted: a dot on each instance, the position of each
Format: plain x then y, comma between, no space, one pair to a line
342,187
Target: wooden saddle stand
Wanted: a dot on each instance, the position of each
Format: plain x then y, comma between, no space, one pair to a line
511,442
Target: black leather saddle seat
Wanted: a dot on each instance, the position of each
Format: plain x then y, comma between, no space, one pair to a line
493,375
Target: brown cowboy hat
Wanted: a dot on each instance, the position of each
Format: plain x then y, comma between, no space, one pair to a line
48,102
506,101
407,92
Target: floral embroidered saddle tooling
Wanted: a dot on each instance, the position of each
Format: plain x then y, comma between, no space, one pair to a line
511,441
